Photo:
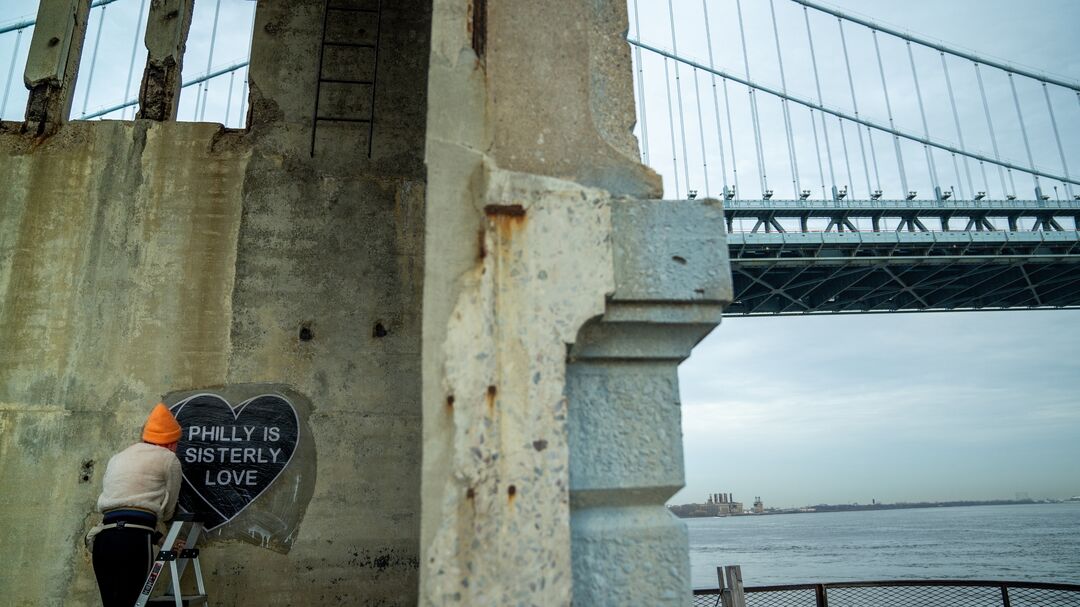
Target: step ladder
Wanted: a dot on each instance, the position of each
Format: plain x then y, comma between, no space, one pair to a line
340,8
177,561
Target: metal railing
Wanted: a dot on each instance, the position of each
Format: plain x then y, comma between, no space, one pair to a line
897,593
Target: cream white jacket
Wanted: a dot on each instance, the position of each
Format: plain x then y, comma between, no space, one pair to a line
142,476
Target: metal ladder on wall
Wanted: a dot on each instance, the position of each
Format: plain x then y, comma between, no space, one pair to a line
317,117
177,561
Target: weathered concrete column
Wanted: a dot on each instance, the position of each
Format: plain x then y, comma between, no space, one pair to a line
534,208
166,39
671,283
53,62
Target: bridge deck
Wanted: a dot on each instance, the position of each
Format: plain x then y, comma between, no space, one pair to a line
853,271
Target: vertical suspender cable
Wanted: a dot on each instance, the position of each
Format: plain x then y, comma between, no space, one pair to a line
228,100
784,104
134,52
993,137
701,138
247,70
888,108
671,129
817,82
956,121
936,183
873,157
1023,131
93,58
753,106
641,90
847,160
731,142
817,150
855,106
1057,138
209,62
716,103
678,92
11,72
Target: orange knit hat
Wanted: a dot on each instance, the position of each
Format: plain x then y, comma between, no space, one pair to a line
161,427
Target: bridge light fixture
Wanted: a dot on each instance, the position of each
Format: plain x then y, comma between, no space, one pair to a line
980,195
767,195
803,195
691,194
912,194
876,195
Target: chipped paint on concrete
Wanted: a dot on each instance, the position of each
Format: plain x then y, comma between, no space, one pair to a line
545,269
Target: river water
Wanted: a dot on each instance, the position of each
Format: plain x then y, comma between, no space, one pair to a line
1037,542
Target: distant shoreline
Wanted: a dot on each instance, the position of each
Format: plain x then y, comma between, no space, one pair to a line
862,507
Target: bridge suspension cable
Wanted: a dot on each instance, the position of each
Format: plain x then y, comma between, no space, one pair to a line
873,25
863,121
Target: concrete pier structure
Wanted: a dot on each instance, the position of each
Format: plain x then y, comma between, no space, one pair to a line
478,295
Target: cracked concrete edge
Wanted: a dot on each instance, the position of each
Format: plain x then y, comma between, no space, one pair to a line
503,534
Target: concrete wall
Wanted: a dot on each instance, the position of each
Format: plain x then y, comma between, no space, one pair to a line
142,258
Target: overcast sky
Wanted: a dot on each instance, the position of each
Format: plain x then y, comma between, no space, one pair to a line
898,407
803,410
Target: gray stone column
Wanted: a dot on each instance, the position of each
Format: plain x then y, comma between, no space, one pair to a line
624,419
166,39
53,62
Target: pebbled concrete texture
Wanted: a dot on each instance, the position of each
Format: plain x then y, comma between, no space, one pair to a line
553,324
543,270
624,419
117,249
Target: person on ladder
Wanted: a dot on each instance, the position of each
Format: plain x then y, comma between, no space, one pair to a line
139,490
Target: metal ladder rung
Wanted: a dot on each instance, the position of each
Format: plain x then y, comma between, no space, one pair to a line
350,44
370,120
341,119
187,599
344,81
350,9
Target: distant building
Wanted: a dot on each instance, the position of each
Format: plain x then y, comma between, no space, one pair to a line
759,507
716,504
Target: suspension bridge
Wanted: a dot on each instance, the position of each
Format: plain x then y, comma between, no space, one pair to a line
874,210
858,228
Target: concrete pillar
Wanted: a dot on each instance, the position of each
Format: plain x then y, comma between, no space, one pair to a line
531,215
166,38
53,62
624,418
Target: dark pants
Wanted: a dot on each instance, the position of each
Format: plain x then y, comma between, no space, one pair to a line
122,559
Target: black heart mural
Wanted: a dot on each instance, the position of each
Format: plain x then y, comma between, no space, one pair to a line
231,455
